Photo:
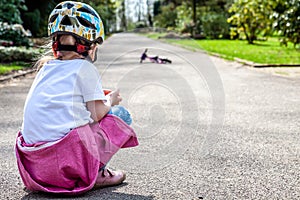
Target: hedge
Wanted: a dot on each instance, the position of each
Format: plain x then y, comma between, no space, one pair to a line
12,54
14,33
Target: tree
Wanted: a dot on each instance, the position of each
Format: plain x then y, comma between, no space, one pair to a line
194,17
10,22
174,2
167,17
140,10
32,20
184,21
107,12
149,15
212,18
156,8
287,23
10,11
36,17
121,14
208,20
252,17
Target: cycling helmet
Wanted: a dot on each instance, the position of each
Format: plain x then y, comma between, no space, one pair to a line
76,18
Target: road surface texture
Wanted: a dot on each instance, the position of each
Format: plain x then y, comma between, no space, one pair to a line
208,128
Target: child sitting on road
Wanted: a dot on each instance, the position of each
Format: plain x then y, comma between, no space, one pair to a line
70,129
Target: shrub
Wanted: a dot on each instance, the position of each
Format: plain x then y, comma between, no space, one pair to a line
10,11
140,24
251,17
215,25
184,21
167,17
287,23
12,54
10,33
32,21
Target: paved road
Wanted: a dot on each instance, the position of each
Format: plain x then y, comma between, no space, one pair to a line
208,128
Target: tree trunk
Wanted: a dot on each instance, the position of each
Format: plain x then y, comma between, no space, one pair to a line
150,21
249,38
194,18
253,36
123,17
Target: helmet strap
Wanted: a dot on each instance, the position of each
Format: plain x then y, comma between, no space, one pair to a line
78,48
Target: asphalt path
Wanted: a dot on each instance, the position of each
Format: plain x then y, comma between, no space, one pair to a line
208,128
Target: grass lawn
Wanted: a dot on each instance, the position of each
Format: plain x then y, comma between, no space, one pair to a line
154,35
262,52
6,68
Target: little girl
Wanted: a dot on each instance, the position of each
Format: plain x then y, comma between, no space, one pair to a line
70,128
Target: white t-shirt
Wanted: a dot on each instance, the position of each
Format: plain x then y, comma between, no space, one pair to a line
56,102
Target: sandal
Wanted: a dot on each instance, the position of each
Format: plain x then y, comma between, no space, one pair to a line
108,178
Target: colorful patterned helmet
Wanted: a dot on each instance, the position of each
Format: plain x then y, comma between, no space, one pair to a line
76,18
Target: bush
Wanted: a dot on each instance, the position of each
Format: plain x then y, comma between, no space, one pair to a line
184,21
6,43
140,24
12,54
287,23
214,25
167,18
10,11
32,20
10,33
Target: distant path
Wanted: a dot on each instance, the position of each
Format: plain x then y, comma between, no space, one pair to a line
208,128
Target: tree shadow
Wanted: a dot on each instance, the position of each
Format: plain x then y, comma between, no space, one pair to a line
103,194
261,44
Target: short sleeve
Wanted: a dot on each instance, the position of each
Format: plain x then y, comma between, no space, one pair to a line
89,82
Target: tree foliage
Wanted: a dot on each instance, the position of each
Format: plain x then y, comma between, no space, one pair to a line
167,17
252,17
106,10
32,21
210,19
215,25
10,11
184,21
13,35
10,16
287,20
36,17
124,22
260,17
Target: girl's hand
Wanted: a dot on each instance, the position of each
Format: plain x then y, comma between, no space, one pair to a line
115,97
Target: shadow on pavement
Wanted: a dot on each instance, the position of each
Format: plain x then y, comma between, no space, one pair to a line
104,193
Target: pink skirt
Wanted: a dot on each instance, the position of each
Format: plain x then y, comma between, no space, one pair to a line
70,165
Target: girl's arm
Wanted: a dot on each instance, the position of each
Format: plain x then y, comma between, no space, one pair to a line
98,109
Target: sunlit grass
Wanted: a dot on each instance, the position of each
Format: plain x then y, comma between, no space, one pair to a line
268,52
155,35
263,52
6,68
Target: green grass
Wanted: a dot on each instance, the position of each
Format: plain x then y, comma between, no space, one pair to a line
262,52
6,68
155,35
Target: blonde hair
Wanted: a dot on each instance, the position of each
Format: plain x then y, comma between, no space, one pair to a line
62,55
46,57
